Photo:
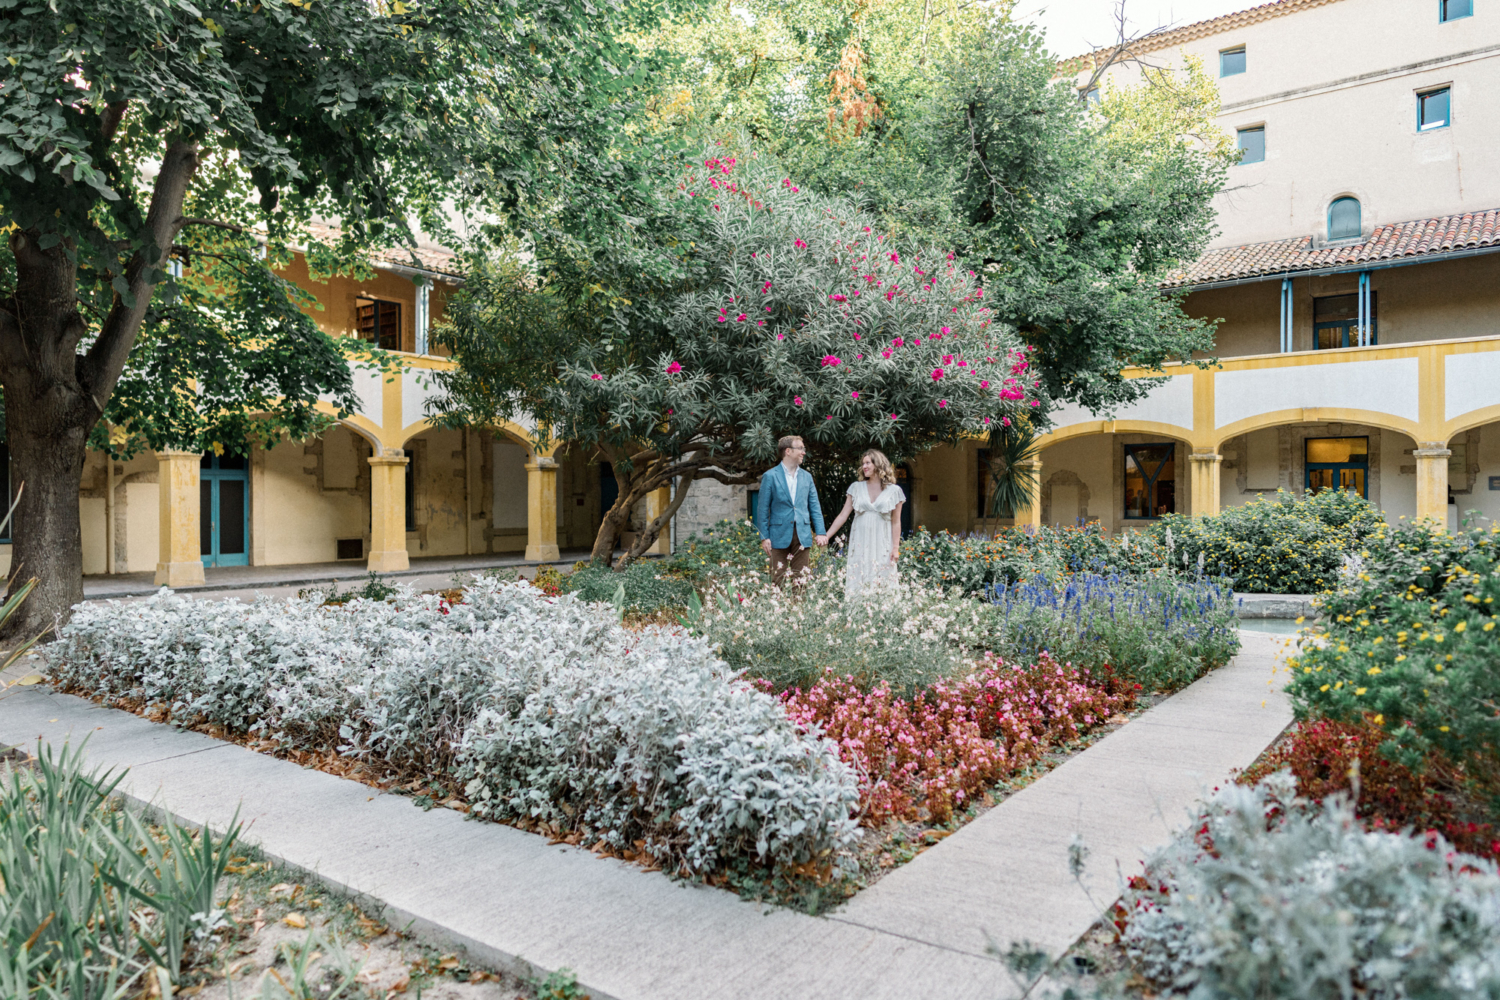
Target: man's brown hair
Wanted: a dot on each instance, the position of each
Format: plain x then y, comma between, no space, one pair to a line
785,443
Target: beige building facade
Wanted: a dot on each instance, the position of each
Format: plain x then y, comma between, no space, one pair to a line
1355,275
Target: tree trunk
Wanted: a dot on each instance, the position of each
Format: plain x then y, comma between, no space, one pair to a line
54,395
48,419
609,529
654,527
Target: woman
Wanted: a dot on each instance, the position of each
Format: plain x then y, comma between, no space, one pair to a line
875,538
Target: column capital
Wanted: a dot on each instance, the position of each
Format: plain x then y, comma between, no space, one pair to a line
542,464
1432,449
1205,456
389,459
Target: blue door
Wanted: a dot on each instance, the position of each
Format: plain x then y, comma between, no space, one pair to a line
224,510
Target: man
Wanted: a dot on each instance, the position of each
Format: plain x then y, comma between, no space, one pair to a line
788,515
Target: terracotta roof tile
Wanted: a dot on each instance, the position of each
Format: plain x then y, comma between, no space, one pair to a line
1192,32
1420,237
429,256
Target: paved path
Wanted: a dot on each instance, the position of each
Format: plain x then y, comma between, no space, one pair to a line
512,899
223,582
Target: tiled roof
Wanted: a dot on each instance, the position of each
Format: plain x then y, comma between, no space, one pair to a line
429,256
1198,29
1396,241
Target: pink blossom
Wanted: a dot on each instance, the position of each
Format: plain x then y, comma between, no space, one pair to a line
984,385
781,336
885,354
942,404
945,329
986,419
796,400
895,258
963,364
947,359
867,229
760,322
1005,421
766,287
937,373
893,416
856,336
741,318
673,368
722,319
829,361
950,257
799,244
1035,403
829,417
716,207
838,298
854,394
596,376
897,342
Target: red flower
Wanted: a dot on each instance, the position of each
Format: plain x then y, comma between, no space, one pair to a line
937,373
829,361
673,368
596,376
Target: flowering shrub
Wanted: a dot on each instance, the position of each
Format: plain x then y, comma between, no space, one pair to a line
1160,630
792,637
976,561
546,708
648,586
1281,544
1323,756
1268,895
1411,647
731,547
926,756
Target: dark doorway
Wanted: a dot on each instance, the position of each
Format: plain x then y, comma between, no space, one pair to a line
224,510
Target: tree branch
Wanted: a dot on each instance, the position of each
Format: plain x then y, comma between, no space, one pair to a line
100,368
110,120
211,222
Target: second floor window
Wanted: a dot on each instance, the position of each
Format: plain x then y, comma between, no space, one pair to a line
1433,110
1452,10
1343,219
1252,143
1336,321
1232,62
380,323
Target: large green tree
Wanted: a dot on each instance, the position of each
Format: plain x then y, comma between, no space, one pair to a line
750,309
959,128
133,134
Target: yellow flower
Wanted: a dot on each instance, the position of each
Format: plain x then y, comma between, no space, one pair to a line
1401,657
1438,667
1323,688
1380,720
1373,671
1442,729
1489,626
1359,691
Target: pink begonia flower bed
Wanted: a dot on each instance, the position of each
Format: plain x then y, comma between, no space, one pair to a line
925,757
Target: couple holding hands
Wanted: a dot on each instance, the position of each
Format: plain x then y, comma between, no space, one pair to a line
790,518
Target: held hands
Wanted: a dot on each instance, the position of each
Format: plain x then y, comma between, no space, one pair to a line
894,554
822,540
765,543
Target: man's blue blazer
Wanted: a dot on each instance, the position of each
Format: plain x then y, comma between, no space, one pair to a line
776,516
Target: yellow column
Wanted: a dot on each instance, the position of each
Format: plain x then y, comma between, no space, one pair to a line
1032,515
1203,472
541,510
1432,482
388,513
656,502
178,500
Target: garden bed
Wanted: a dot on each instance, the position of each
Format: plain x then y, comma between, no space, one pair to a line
785,744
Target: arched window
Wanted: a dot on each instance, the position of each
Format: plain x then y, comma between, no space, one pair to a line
1343,219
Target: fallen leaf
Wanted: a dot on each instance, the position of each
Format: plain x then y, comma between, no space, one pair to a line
296,920
399,986
280,887
29,680
448,962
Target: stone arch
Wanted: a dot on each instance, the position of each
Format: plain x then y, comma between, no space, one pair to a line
1088,428
1316,415
1472,420
1068,479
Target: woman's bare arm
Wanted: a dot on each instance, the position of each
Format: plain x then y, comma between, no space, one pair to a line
896,530
838,522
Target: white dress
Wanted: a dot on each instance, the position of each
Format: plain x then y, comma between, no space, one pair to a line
868,564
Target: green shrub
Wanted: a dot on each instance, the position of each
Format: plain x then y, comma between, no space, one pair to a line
728,548
1268,895
1160,630
647,587
1412,646
1281,544
791,636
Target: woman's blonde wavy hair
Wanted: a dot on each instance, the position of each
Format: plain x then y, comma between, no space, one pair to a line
883,467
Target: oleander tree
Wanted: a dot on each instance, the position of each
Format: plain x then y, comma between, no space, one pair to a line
135,137
780,311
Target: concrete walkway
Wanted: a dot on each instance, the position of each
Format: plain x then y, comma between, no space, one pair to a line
512,899
425,572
